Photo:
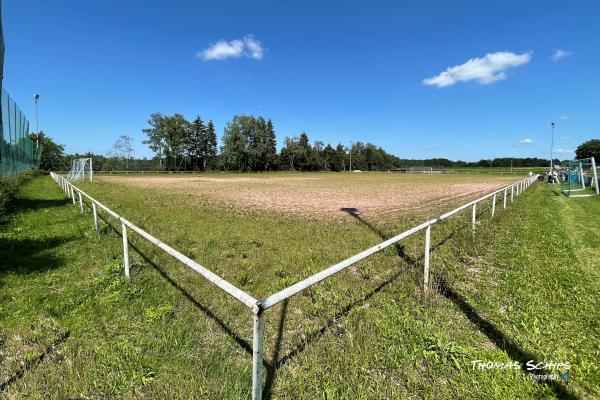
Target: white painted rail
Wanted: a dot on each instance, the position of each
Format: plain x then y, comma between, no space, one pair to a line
259,307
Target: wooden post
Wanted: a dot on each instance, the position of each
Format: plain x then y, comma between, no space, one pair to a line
80,201
73,194
493,205
257,354
474,216
125,249
512,193
426,259
504,199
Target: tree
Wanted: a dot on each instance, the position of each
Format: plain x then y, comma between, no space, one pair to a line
175,135
156,134
588,149
53,156
123,148
235,145
210,144
271,147
196,143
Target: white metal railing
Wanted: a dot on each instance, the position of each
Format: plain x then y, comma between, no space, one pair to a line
259,307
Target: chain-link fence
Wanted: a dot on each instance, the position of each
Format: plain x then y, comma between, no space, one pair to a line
18,153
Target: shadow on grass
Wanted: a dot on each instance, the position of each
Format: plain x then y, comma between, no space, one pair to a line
26,204
494,334
31,363
26,256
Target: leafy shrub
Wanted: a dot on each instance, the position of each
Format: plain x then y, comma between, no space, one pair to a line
9,186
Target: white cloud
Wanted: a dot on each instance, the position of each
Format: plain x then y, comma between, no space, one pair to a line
559,150
253,47
564,116
559,53
248,46
526,142
485,70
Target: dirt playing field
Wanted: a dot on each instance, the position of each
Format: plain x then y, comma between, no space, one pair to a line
324,194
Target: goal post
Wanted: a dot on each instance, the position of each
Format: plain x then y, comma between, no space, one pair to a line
81,167
579,178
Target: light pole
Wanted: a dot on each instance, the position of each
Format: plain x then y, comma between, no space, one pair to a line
351,146
36,98
552,149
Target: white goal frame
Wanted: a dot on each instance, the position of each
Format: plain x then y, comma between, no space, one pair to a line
78,169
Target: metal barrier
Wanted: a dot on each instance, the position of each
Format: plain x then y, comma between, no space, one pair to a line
259,307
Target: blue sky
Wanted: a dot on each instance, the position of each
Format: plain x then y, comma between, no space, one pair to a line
341,71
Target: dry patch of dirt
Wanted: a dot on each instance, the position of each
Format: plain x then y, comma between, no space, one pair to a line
325,194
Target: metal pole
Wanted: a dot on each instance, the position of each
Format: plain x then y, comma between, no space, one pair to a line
95,212
504,199
595,175
91,170
474,216
493,205
351,145
257,354
581,175
426,259
552,149
125,249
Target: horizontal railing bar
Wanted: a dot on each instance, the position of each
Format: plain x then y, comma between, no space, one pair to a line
278,297
230,289
283,294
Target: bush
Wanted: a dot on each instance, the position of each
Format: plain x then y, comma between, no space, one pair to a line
9,187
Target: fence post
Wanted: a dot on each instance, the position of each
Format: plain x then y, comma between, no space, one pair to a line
125,249
95,212
257,354
73,194
80,201
504,199
426,259
512,193
474,216
493,205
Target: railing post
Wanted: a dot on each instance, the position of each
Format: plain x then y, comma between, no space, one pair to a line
493,205
257,354
474,216
80,201
95,212
125,249
426,259
504,198
512,193
73,194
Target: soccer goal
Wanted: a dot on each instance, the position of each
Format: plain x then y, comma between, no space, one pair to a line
579,178
79,169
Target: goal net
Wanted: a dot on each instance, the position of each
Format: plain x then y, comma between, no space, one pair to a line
81,169
579,178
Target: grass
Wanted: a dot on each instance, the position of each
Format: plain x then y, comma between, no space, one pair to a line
73,326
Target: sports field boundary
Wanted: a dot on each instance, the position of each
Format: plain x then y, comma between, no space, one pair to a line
259,307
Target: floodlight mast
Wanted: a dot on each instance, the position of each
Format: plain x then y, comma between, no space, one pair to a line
552,149
36,98
351,146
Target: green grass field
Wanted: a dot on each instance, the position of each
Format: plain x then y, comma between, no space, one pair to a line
72,326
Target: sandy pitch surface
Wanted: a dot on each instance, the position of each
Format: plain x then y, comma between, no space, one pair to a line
325,194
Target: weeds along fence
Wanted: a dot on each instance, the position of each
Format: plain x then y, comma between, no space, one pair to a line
259,307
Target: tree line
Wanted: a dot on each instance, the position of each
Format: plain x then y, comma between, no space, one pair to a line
249,143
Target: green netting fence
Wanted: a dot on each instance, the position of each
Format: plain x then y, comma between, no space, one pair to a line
18,153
